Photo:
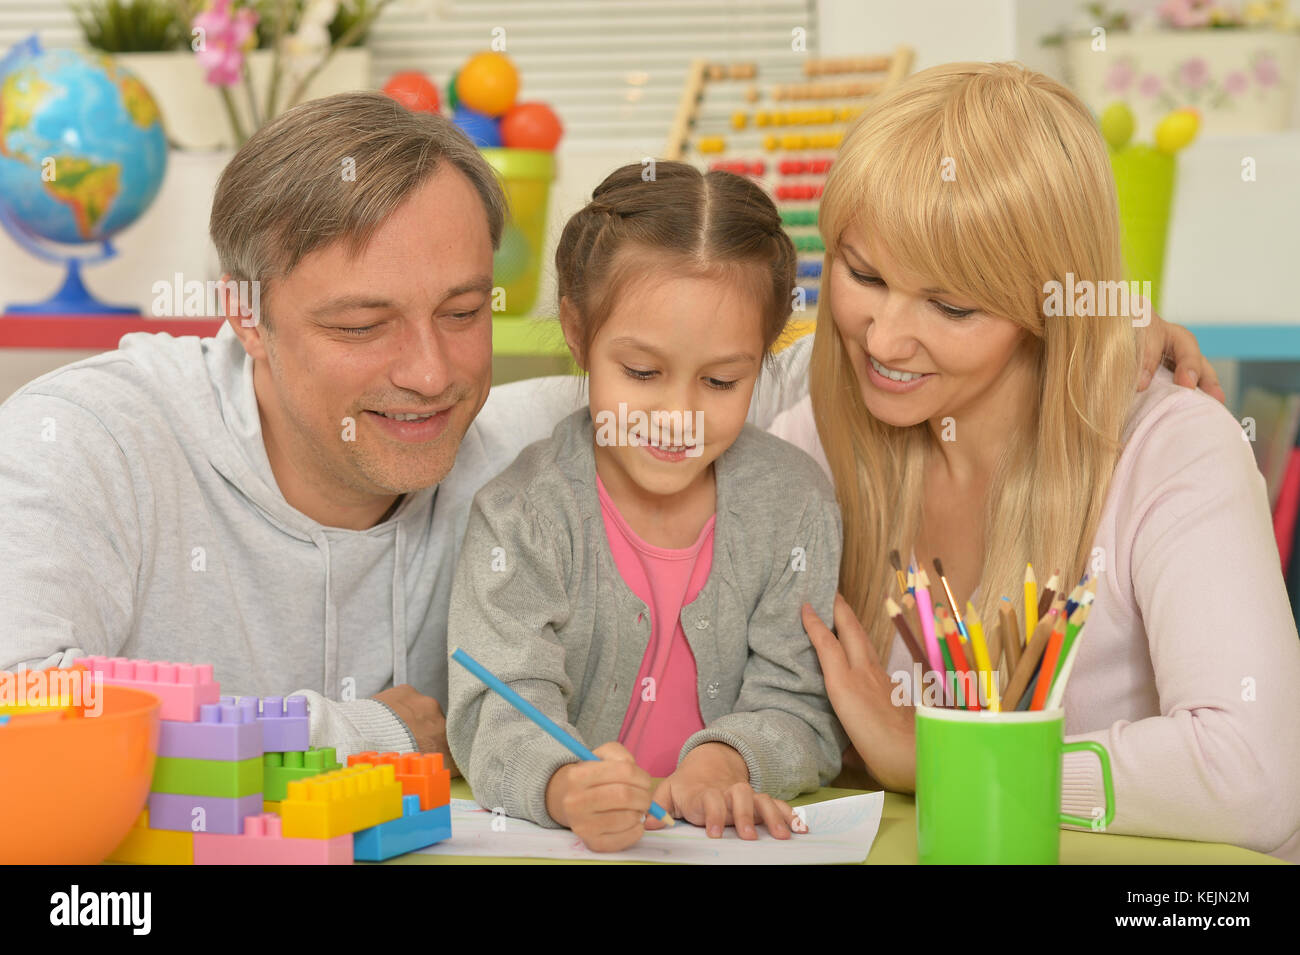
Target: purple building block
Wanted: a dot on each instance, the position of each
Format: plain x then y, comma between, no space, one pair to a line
171,811
285,726
225,731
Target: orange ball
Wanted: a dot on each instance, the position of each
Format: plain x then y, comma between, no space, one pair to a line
413,90
488,83
531,126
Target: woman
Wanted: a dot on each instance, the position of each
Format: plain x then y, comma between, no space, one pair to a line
961,416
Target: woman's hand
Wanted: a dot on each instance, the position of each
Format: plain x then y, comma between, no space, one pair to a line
711,788
860,691
1176,346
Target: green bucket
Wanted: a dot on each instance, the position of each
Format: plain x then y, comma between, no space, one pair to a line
1144,185
526,175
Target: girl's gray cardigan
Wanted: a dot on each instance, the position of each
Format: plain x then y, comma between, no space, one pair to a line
537,600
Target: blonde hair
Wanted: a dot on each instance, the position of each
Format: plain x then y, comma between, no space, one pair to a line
1028,196
285,194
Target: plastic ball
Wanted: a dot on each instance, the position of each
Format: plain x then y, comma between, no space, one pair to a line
453,100
1177,130
488,83
413,90
1117,125
531,126
483,131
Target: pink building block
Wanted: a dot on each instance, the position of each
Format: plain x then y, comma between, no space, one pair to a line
263,844
182,687
285,725
225,731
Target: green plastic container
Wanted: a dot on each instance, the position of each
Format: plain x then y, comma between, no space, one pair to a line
1144,184
526,175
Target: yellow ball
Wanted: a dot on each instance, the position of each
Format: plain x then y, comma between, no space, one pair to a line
1177,130
488,83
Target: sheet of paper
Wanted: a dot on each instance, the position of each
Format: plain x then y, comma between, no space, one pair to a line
839,830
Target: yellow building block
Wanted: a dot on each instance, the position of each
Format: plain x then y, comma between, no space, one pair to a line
145,846
345,800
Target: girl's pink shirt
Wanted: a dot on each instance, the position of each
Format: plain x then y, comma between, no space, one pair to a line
1189,669
665,707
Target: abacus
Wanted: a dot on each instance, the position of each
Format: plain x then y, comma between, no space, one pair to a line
783,136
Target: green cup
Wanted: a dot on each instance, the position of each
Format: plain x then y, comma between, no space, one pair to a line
988,786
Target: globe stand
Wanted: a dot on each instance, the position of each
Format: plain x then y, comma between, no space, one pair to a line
72,298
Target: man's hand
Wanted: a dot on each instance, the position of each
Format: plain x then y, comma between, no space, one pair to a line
423,717
1176,347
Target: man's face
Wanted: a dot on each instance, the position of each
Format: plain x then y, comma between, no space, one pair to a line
356,345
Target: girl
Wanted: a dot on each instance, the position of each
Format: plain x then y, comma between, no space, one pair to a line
962,416
638,576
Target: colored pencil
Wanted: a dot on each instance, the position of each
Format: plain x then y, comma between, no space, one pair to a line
1076,622
1045,598
556,731
1031,603
1075,596
1010,628
1029,661
1057,696
952,601
908,604
1051,656
898,571
988,677
925,608
909,639
961,665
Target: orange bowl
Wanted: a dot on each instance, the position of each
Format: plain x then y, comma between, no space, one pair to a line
71,789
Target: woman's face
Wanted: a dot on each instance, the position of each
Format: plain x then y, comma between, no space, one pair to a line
920,353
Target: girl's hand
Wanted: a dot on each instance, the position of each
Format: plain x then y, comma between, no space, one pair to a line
711,788
1177,347
860,690
604,802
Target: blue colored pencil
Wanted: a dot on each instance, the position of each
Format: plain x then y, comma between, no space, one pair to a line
540,718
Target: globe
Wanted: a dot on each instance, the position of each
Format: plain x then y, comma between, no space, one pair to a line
82,148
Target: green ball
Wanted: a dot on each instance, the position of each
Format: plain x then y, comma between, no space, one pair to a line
452,99
1117,125
512,259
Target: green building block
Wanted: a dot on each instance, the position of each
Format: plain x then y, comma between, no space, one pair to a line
281,769
229,779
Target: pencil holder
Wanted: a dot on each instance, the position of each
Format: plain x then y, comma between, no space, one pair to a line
988,786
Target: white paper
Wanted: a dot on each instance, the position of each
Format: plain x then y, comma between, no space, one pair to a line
839,830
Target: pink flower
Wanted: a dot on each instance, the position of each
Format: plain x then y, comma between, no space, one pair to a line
1266,70
1150,85
1119,77
1186,13
223,38
1235,83
1194,73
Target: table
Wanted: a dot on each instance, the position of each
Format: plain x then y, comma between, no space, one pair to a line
896,842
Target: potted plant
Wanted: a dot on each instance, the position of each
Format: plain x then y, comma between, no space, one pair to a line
1235,64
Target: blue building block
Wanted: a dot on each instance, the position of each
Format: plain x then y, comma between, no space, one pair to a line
3,720
415,830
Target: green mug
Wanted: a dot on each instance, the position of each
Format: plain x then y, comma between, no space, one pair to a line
988,786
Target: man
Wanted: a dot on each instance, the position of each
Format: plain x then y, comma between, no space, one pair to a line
286,500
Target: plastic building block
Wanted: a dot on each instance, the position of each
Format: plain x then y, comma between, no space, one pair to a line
176,811
416,829
421,774
280,769
229,779
285,725
344,800
182,687
263,843
146,846
269,806
226,730
3,720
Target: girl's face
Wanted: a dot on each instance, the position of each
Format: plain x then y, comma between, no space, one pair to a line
671,373
920,353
